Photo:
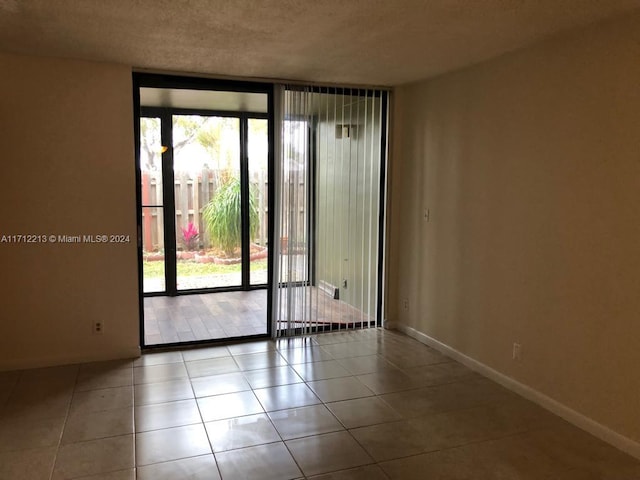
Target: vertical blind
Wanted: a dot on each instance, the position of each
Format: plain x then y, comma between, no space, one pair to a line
330,149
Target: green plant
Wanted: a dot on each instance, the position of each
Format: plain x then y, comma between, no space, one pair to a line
222,215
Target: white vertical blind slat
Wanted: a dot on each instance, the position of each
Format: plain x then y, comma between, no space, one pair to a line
327,232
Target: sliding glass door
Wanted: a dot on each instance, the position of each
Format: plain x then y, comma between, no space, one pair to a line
258,173
273,187
152,205
204,167
204,201
208,201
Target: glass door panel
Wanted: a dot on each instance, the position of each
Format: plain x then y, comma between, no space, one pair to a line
153,249
153,266
206,168
258,155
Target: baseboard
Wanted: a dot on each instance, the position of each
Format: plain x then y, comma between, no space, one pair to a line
328,289
576,418
22,364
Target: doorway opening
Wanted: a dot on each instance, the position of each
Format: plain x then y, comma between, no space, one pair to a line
204,161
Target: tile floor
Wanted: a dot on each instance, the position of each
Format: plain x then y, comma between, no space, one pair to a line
367,405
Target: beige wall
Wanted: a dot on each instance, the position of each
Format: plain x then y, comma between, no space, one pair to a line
530,165
67,168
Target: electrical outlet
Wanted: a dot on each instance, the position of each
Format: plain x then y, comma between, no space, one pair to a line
405,304
344,283
517,352
427,214
98,328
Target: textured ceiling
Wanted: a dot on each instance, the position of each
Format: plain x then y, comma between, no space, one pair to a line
369,42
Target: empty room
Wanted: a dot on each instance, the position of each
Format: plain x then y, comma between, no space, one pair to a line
324,240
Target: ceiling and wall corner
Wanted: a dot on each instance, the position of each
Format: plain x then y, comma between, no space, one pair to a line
356,42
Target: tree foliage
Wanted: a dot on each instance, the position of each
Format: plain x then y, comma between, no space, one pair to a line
206,131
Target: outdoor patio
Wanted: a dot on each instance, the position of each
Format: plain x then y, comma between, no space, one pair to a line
188,318
215,316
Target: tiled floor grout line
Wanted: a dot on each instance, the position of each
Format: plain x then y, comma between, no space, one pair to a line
135,420
491,400
64,423
195,399
135,430
375,395
308,436
266,413
325,404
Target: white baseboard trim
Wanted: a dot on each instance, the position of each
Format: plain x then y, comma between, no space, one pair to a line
22,364
579,420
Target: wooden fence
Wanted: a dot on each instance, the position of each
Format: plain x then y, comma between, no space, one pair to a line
192,192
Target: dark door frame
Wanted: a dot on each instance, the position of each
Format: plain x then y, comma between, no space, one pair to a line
166,124
195,83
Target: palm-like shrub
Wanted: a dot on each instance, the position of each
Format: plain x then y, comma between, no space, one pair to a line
223,212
